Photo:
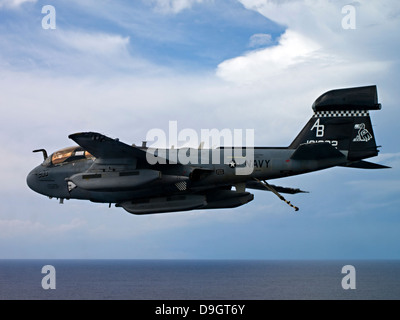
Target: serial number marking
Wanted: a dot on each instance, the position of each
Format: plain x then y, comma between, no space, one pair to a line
334,143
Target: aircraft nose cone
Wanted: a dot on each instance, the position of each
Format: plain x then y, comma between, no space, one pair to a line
31,180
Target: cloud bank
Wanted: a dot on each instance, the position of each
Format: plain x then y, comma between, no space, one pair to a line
315,45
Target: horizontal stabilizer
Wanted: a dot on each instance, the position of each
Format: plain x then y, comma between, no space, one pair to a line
316,151
365,165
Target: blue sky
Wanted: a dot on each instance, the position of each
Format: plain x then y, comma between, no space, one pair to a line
123,68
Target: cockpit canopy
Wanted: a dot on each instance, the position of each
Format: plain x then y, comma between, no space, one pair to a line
67,155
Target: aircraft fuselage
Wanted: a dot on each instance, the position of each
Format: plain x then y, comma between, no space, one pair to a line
266,164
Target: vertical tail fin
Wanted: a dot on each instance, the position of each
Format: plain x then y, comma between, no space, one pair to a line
341,117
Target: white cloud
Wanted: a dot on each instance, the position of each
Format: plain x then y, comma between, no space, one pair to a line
315,40
93,52
293,49
14,3
93,43
259,40
174,6
72,52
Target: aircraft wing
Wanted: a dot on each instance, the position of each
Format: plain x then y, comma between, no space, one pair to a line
103,147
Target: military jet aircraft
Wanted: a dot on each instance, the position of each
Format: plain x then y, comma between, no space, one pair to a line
106,170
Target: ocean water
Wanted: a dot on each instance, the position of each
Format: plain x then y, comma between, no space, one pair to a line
198,280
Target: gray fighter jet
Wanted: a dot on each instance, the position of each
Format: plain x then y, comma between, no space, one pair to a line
106,170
